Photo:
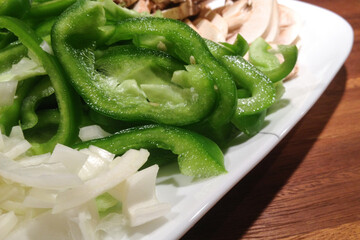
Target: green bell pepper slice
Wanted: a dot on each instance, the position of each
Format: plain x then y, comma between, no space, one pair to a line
9,115
48,8
40,91
146,73
261,88
184,43
14,8
74,36
66,99
263,56
250,111
197,155
10,55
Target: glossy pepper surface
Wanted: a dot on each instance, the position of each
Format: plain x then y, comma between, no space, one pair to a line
190,91
197,155
263,56
67,101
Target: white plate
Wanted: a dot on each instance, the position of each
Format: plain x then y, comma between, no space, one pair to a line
326,42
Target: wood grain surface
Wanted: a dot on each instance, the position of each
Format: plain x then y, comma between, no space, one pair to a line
308,187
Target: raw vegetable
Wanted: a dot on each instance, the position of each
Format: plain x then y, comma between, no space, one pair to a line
263,56
88,82
197,155
66,99
61,187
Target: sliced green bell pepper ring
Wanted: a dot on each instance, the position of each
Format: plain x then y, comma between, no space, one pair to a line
14,8
261,88
248,77
152,71
239,47
190,47
66,99
6,38
9,115
47,117
197,155
10,55
73,38
263,56
250,124
43,30
40,91
48,8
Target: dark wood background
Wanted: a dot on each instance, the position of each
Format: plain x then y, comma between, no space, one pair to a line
308,187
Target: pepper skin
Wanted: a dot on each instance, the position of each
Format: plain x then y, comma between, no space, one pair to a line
66,99
197,155
263,57
101,93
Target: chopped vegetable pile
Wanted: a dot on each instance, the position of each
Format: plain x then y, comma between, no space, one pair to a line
87,86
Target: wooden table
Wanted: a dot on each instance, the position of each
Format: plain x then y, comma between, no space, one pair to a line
308,187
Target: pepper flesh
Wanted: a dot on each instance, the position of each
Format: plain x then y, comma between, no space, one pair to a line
67,101
187,45
9,115
14,8
40,91
263,57
79,61
197,155
250,111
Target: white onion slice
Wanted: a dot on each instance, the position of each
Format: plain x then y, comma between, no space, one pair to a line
140,203
105,155
72,159
40,198
18,149
7,92
17,132
122,168
48,175
2,143
93,166
34,160
7,223
65,225
23,69
92,132
111,227
46,47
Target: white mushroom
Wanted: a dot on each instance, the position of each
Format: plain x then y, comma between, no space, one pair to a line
289,24
190,24
209,31
142,6
258,21
273,30
237,14
212,4
184,10
219,21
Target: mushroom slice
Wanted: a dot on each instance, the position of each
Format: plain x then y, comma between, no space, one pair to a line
127,3
162,4
212,4
290,25
142,6
258,21
209,31
216,19
184,10
190,24
237,14
232,10
273,29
